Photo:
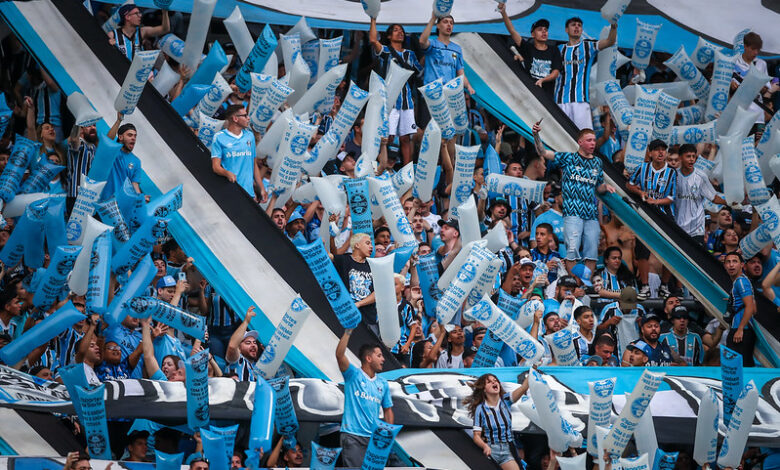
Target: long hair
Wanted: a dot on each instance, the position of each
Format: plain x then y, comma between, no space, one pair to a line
478,395
389,32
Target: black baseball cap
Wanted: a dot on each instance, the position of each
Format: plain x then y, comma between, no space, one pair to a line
651,317
541,22
451,222
679,312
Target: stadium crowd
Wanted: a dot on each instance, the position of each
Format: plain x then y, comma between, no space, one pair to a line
589,271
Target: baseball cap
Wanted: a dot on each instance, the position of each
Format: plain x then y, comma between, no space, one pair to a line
641,346
583,272
526,261
597,359
627,300
451,222
251,334
651,317
295,216
166,281
679,312
567,281
541,22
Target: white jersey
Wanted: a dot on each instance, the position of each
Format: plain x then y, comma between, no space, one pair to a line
692,190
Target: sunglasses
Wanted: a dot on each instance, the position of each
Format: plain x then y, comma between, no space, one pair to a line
113,348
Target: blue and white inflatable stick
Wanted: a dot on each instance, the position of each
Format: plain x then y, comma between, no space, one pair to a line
219,92
239,33
321,92
641,130
665,112
103,161
375,123
172,46
22,154
139,73
757,191
572,463
613,10
215,61
139,245
196,32
731,156
99,282
739,427
214,449
560,434
264,109
524,188
621,110
386,303
339,299
284,417
261,51
28,226
54,222
456,101
50,287
358,199
562,345
176,318
140,278
163,461
380,445
73,376
466,278
207,128
395,79
425,172
189,98
110,214
463,179
391,209
634,463
487,313
486,282
428,274
279,345
261,427
446,278
635,406
599,409
43,332
34,237
327,147
722,71
731,380
329,57
644,435
197,385
643,43
323,458
705,444
40,178
79,278
442,8
684,67
749,88
704,53
93,418
437,105
228,434
84,207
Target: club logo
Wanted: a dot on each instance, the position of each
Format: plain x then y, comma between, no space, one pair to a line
97,444
693,135
639,406
612,87
331,290
298,144
143,73
434,292
705,55
463,191
642,48
753,174
269,353
626,116
215,94
481,311
688,71
562,339
358,204
467,272
298,305
65,266
74,230
603,388
382,437
434,91
527,349
719,100
639,141
662,121
264,113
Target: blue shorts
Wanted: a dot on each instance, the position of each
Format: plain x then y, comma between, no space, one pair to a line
501,452
581,232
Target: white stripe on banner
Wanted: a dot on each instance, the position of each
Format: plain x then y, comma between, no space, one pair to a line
21,436
252,273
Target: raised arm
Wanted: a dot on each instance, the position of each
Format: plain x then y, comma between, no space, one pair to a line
373,37
433,354
232,354
115,128
539,145
164,28
769,282
341,350
426,33
150,362
509,26
611,38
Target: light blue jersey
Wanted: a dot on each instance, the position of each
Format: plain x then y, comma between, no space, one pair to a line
363,398
442,61
126,166
237,153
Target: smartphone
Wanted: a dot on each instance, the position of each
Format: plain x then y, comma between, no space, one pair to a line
182,276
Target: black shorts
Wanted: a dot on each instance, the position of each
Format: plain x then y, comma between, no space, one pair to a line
641,252
423,114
